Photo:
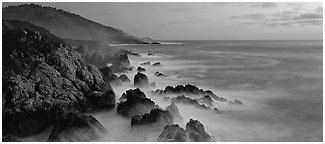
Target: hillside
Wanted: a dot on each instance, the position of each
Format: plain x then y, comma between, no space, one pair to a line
67,25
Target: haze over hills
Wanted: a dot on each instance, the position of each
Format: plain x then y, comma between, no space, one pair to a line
67,25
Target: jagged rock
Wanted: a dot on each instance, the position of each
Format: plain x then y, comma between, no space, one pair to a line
159,74
110,77
42,74
140,69
196,131
172,133
153,84
156,64
136,103
207,100
145,63
158,117
124,78
121,63
235,102
9,139
173,109
141,80
76,127
185,100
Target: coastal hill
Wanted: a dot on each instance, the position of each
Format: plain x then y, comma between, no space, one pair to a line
68,25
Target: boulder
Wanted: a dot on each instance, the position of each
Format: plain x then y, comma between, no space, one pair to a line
156,117
156,64
173,133
76,127
196,131
145,63
141,80
135,104
9,139
159,74
124,78
140,69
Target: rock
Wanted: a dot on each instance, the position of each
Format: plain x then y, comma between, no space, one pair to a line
76,127
150,54
185,100
145,63
173,109
141,80
140,69
159,74
110,77
124,78
156,117
196,131
136,104
153,84
207,100
42,74
155,43
9,139
156,64
172,133
236,102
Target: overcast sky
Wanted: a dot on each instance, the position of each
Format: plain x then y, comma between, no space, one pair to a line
206,21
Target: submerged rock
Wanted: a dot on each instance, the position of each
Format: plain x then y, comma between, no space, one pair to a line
136,103
145,63
156,64
196,131
124,78
236,102
172,133
76,127
158,117
41,74
140,69
141,80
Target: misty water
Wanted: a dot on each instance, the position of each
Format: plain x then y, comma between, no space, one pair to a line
279,83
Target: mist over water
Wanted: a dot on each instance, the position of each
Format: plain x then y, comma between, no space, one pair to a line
279,83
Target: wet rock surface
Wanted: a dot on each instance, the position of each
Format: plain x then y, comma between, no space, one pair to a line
141,80
135,103
41,75
196,131
173,133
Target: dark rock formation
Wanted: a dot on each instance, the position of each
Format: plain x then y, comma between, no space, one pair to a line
207,100
145,63
136,103
159,74
124,78
173,109
76,127
158,117
235,102
42,75
187,100
156,64
140,69
172,133
141,80
110,77
149,54
196,131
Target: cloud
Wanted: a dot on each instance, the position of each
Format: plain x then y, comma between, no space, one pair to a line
264,5
285,18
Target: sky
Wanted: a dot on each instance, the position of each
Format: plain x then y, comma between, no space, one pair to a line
205,21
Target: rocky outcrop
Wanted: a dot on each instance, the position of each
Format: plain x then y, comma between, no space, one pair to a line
187,100
42,75
134,102
156,117
141,80
173,133
76,127
140,69
189,89
124,78
156,64
196,131
236,102
110,77
173,109
159,74
207,100
145,63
